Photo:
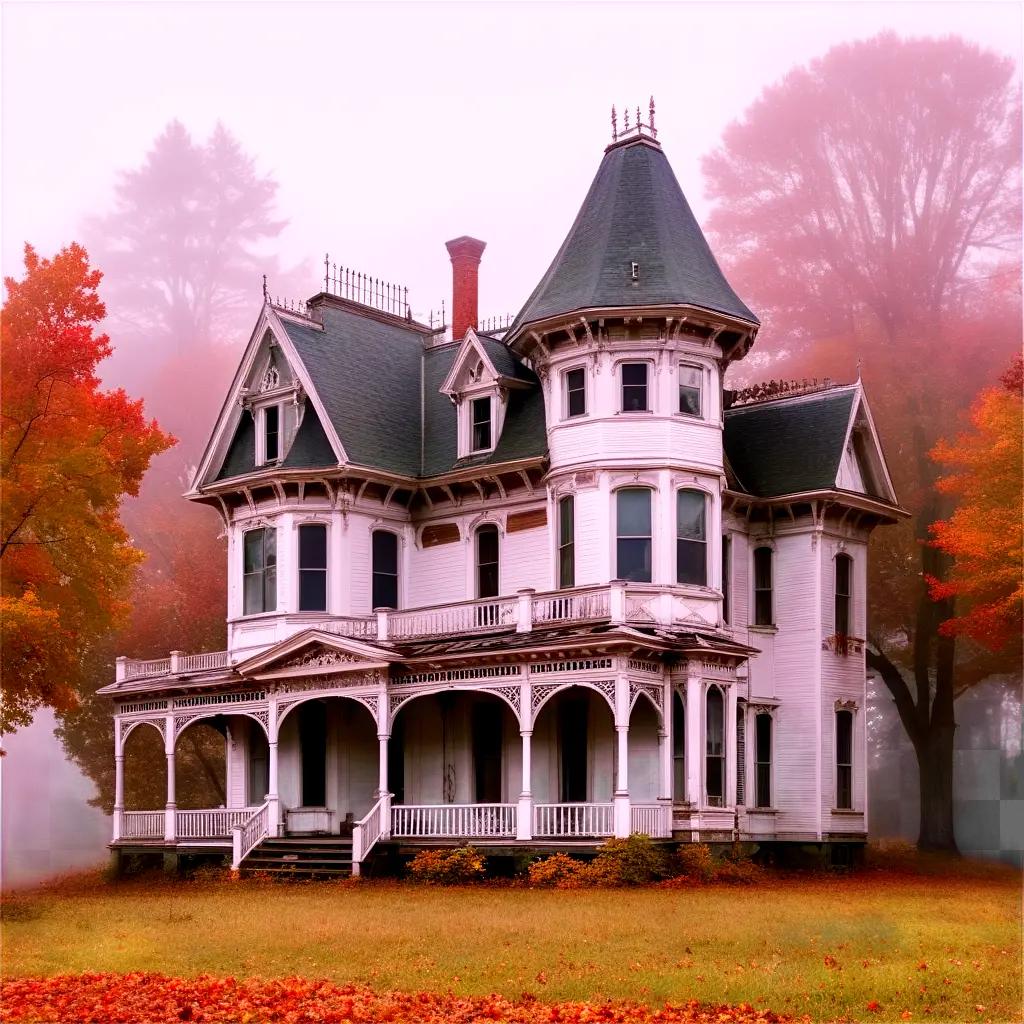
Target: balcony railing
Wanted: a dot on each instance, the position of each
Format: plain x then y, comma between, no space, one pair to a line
616,602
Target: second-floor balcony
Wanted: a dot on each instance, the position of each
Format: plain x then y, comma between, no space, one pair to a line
617,603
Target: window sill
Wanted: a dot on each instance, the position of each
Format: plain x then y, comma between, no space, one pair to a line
635,412
763,629
846,812
256,616
762,810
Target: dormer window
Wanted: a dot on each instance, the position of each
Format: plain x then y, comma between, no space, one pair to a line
481,424
271,433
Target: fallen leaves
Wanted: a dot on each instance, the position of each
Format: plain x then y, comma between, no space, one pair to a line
140,998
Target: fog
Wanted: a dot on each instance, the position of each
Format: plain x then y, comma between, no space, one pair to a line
389,129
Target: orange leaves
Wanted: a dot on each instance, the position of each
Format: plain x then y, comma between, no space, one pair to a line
158,999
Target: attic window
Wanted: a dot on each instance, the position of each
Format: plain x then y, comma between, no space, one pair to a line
481,424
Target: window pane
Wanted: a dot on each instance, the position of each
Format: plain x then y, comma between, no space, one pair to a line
726,578
691,562
566,543
253,599
715,721
313,546
270,422
270,589
487,561
690,515
634,512
842,615
689,390
576,394
385,590
763,612
385,552
481,424
253,542
844,737
634,387
763,755
312,590
843,564
634,559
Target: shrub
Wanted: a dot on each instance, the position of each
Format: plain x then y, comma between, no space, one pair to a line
556,871
632,861
694,862
459,866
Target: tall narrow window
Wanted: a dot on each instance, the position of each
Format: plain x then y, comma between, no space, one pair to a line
844,760
714,754
763,613
678,749
763,759
726,578
634,387
481,411
691,538
690,390
741,753
271,432
312,567
259,583
633,544
576,393
567,542
487,561
385,570
844,573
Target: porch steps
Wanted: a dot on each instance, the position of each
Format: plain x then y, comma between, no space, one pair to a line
301,857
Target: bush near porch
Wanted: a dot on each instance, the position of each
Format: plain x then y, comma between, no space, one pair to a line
872,946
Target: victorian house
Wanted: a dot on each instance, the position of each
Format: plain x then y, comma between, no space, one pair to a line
528,587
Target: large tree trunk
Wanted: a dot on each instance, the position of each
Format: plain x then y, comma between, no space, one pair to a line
935,771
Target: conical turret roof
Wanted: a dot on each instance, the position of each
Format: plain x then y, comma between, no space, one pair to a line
635,211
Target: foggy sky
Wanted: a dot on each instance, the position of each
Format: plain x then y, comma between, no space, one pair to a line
389,128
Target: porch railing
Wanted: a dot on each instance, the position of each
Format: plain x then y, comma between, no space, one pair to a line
247,835
453,821
563,820
654,820
464,617
211,824
142,824
202,662
572,606
368,830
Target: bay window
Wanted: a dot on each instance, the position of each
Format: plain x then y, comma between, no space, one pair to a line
312,567
714,750
691,538
575,393
259,580
690,379
634,387
634,539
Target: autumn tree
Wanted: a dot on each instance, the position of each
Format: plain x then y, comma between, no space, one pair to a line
984,535
868,205
69,452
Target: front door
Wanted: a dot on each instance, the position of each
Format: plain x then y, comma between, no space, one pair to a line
487,746
573,723
313,744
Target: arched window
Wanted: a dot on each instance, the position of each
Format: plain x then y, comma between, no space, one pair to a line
844,760
633,541
844,591
487,575
763,759
678,748
312,567
691,538
566,542
385,570
763,612
714,753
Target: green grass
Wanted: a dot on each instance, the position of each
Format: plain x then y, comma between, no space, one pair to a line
766,945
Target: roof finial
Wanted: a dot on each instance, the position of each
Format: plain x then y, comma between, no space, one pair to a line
626,119
858,368
615,125
264,287
654,131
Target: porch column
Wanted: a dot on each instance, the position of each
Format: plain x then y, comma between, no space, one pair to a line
730,745
621,798
694,717
665,763
170,811
382,784
524,812
118,780
273,799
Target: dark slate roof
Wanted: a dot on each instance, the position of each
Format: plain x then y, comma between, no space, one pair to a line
788,445
310,449
504,362
241,456
635,210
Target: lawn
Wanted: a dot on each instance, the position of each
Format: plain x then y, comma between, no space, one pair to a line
938,948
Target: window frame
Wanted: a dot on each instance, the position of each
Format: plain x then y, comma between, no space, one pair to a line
716,800
726,556
259,413
847,627
678,723
700,413
563,545
844,768
478,565
300,569
567,414
474,449
763,765
757,618
691,540
374,572
648,405
649,537
262,571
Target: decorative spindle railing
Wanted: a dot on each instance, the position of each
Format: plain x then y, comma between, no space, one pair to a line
153,667
565,820
654,820
463,617
359,628
368,830
203,662
210,824
355,286
571,606
453,821
142,824
248,834
495,324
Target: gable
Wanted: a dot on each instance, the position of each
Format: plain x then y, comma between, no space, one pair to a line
315,652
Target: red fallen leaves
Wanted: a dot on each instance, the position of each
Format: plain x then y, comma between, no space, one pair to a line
159,999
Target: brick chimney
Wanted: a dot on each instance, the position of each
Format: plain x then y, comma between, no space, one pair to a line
465,253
